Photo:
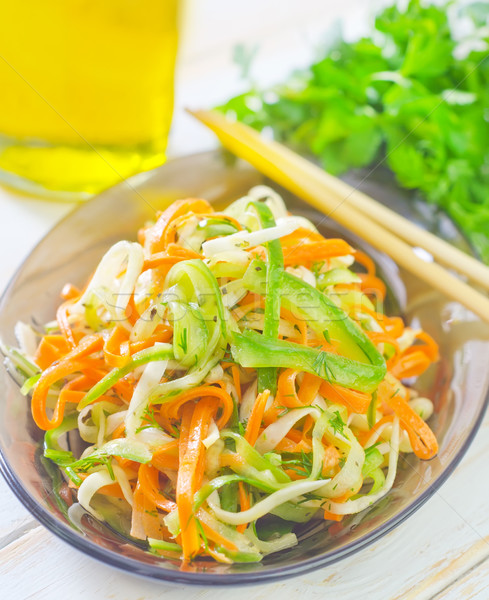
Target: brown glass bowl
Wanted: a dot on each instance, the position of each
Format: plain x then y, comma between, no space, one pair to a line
458,383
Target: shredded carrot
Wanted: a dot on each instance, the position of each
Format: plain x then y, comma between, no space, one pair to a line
163,333
329,516
410,365
215,536
159,259
67,396
71,363
119,431
355,402
195,419
422,439
50,349
70,292
244,504
308,253
254,422
150,487
154,236
116,347
331,459
373,286
171,408
365,261
64,323
166,457
131,310
309,388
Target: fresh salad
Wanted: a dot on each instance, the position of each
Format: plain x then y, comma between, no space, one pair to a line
231,375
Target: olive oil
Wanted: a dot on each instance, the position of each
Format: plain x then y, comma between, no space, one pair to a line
86,91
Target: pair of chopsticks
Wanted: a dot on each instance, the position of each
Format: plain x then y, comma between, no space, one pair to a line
378,225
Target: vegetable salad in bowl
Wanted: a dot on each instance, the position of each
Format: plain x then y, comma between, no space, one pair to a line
232,376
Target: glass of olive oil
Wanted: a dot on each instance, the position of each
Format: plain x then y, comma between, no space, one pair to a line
86,92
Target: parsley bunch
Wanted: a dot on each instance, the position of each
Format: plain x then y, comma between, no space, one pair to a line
408,95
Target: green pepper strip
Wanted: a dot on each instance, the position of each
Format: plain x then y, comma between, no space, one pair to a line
250,349
372,410
53,450
372,469
155,544
161,352
267,378
318,311
207,489
252,457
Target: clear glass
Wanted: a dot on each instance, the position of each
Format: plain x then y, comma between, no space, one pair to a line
458,383
86,92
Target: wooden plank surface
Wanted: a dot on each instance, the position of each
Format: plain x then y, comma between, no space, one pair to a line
441,552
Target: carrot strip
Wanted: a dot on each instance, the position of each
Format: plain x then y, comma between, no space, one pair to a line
166,457
329,516
286,392
373,286
154,236
299,324
244,504
149,485
181,252
311,252
170,409
64,324
137,525
50,349
71,363
309,389
331,459
355,402
254,422
196,419
131,312
411,365
380,337
160,258
119,431
430,346
70,292
301,235
116,348
163,333
307,427
216,537
365,261
423,440
68,396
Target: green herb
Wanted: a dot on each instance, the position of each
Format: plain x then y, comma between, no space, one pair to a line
301,464
321,367
337,423
407,95
183,343
149,419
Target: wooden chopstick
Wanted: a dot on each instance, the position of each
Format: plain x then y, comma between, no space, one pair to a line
381,227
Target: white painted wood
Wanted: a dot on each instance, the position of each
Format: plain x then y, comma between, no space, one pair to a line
472,586
441,552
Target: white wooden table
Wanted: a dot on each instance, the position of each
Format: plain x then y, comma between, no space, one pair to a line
441,552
